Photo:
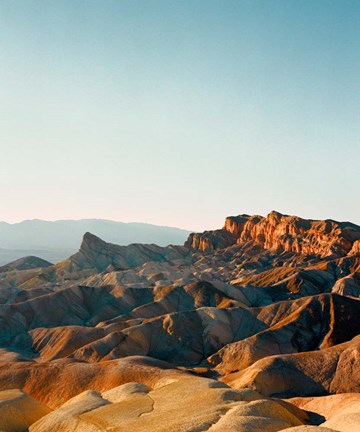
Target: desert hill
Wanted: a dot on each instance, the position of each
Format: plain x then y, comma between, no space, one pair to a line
261,309
25,263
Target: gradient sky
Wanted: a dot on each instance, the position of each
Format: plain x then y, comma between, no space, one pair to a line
179,112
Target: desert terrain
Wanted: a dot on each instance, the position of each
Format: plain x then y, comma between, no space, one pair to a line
252,327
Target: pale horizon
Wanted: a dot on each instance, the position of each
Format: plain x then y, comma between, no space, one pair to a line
198,229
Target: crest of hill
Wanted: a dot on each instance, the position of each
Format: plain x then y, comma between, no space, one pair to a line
282,233
25,263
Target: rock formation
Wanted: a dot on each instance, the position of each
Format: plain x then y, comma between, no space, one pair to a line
282,233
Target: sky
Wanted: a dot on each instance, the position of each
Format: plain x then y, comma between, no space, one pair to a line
179,113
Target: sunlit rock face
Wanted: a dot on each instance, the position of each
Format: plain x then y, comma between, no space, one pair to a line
281,233
204,336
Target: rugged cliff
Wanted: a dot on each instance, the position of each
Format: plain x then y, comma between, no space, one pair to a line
282,233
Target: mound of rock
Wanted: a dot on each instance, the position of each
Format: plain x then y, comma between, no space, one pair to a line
331,370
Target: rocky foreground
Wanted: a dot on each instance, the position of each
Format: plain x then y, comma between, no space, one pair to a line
252,327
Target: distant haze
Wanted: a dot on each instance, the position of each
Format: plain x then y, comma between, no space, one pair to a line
57,240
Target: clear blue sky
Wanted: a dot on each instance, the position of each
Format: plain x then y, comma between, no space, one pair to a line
179,112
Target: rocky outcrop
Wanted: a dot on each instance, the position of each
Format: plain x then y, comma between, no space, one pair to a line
355,250
210,240
282,233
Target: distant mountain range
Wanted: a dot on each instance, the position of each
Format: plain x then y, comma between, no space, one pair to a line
57,240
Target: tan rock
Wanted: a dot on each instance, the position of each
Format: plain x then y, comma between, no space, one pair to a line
18,410
340,412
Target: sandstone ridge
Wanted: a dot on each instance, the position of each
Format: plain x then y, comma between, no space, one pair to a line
282,233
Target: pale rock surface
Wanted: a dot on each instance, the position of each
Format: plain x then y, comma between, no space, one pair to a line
340,412
186,403
66,417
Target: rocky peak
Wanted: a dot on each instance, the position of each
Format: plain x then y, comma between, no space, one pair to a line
91,242
235,224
